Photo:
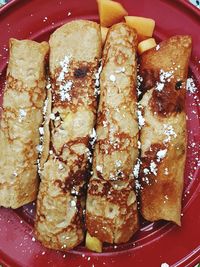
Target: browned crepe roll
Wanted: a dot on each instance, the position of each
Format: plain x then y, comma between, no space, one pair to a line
21,117
164,71
75,50
111,209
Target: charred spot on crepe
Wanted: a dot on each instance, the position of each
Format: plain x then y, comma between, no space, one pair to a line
149,79
178,85
81,72
167,101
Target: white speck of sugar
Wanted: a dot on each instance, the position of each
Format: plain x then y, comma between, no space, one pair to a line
139,81
141,120
93,137
190,86
89,155
52,116
39,148
166,171
73,203
69,14
146,171
165,75
64,91
65,68
60,166
97,81
45,19
137,185
48,86
164,265
99,168
157,47
159,86
112,78
105,124
22,115
161,154
118,163
136,168
45,106
120,70
169,132
41,130
153,167
33,239
139,144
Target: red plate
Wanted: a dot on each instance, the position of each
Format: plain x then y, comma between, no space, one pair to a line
155,243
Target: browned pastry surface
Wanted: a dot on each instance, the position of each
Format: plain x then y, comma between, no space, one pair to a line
163,136
75,50
111,210
21,117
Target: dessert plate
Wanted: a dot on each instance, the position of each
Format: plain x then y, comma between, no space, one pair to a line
155,243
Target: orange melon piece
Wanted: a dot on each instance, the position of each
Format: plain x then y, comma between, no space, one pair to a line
110,12
143,26
146,45
104,32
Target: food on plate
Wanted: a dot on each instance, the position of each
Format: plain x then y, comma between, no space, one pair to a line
110,12
21,117
75,50
146,45
111,207
143,26
93,243
164,72
104,32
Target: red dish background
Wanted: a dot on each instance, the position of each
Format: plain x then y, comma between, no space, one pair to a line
155,243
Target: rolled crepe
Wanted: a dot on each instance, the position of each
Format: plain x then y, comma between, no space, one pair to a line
75,50
111,208
21,117
164,71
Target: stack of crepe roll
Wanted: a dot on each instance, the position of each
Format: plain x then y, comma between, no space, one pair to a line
54,128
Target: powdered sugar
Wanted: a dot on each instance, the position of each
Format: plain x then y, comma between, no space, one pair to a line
190,86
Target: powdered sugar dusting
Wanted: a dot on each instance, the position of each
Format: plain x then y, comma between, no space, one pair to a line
190,86
169,132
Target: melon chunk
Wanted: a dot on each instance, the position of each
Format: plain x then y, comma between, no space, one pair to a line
143,26
146,45
93,243
110,12
104,32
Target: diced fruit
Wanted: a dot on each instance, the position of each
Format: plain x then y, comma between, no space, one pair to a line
143,26
93,243
104,32
146,45
110,12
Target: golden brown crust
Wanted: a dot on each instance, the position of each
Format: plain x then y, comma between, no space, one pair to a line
74,56
163,136
111,213
21,118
